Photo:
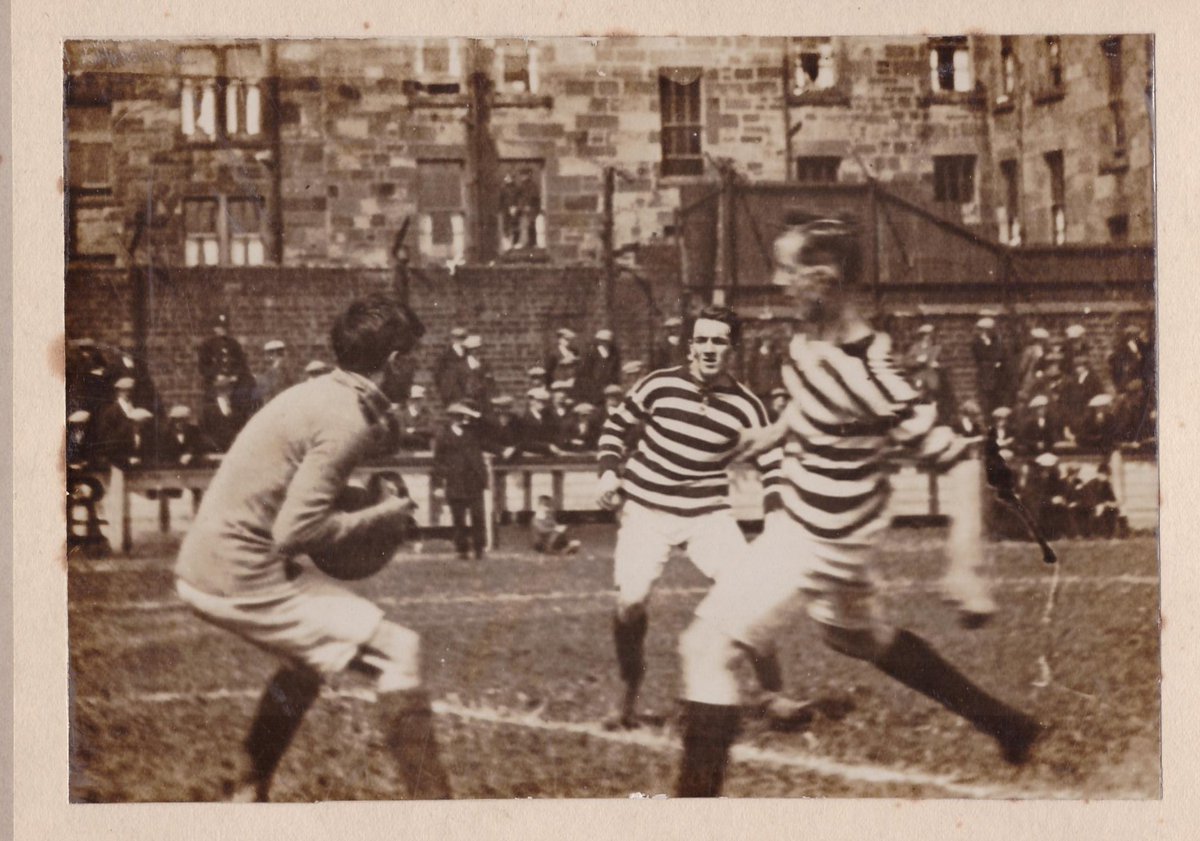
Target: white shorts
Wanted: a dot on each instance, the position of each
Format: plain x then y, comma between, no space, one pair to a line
784,563
318,623
645,539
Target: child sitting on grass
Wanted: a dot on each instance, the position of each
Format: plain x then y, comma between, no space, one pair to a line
548,535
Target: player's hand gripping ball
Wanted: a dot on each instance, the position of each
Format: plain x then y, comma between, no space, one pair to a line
366,553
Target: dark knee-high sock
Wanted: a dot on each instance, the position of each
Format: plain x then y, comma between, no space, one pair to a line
708,733
281,709
765,662
629,634
407,723
913,662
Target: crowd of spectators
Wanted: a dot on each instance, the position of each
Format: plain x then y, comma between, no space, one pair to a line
1041,396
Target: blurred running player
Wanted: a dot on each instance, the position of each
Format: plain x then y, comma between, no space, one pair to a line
675,488
849,409
272,500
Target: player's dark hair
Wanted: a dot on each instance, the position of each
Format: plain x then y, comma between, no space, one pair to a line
371,330
725,315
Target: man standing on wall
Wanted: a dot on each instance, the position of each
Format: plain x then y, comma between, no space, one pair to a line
675,488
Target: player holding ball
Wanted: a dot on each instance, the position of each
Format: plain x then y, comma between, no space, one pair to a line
280,494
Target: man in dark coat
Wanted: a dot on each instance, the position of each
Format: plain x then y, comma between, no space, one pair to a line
479,383
502,433
537,426
600,367
416,425
582,433
275,378
181,443
562,362
991,365
222,355
1077,391
460,476
1130,359
450,370
122,429
127,362
222,418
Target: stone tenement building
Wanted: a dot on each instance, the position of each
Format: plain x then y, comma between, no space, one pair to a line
304,153
200,161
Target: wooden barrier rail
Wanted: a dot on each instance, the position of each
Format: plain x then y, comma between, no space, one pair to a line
513,488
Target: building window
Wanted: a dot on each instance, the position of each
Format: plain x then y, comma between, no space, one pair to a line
202,241
221,88
1118,228
1116,80
92,229
517,66
1008,68
1009,213
950,65
817,169
679,103
522,223
442,227
245,220
814,67
1058,192
439,65
954,179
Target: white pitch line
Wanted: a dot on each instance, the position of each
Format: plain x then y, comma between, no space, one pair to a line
747,754
894,585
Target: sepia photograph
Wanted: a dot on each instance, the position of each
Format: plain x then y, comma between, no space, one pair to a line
617,416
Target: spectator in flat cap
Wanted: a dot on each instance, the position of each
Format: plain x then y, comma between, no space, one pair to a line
128,362
460,475
991,364
502,435
315,368
670,349
538,427
1077,391
537,376
181,443
1100,514
1040,431
115,428
631,372
581,432
924,352
1098,429
222,355
1029,363
599,367
763,366
450,369
563,361
1135,414
480,383
275,376
1075,347
416,426
1046,494
969,420
1130,358
221,418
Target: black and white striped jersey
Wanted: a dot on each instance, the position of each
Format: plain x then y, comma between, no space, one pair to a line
688,431
850,412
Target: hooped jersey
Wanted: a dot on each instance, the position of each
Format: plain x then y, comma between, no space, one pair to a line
688,434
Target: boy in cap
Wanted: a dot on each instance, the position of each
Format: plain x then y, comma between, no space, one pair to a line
181,443
1098,430
581,434
849,409
1040,431
502,431
1048,496
599,367
460,476
537,376
416,425
273,501
538,428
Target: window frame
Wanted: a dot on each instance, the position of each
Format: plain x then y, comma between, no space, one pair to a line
229,126
673,164
456,217
820,166
955,169
1057,182
1010,178
539,221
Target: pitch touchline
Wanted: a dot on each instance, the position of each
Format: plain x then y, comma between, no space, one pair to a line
822,766
563,595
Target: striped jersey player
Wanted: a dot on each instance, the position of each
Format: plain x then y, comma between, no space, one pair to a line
676,432
849,413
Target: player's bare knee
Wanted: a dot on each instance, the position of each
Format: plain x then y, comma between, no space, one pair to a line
708,655
398,657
